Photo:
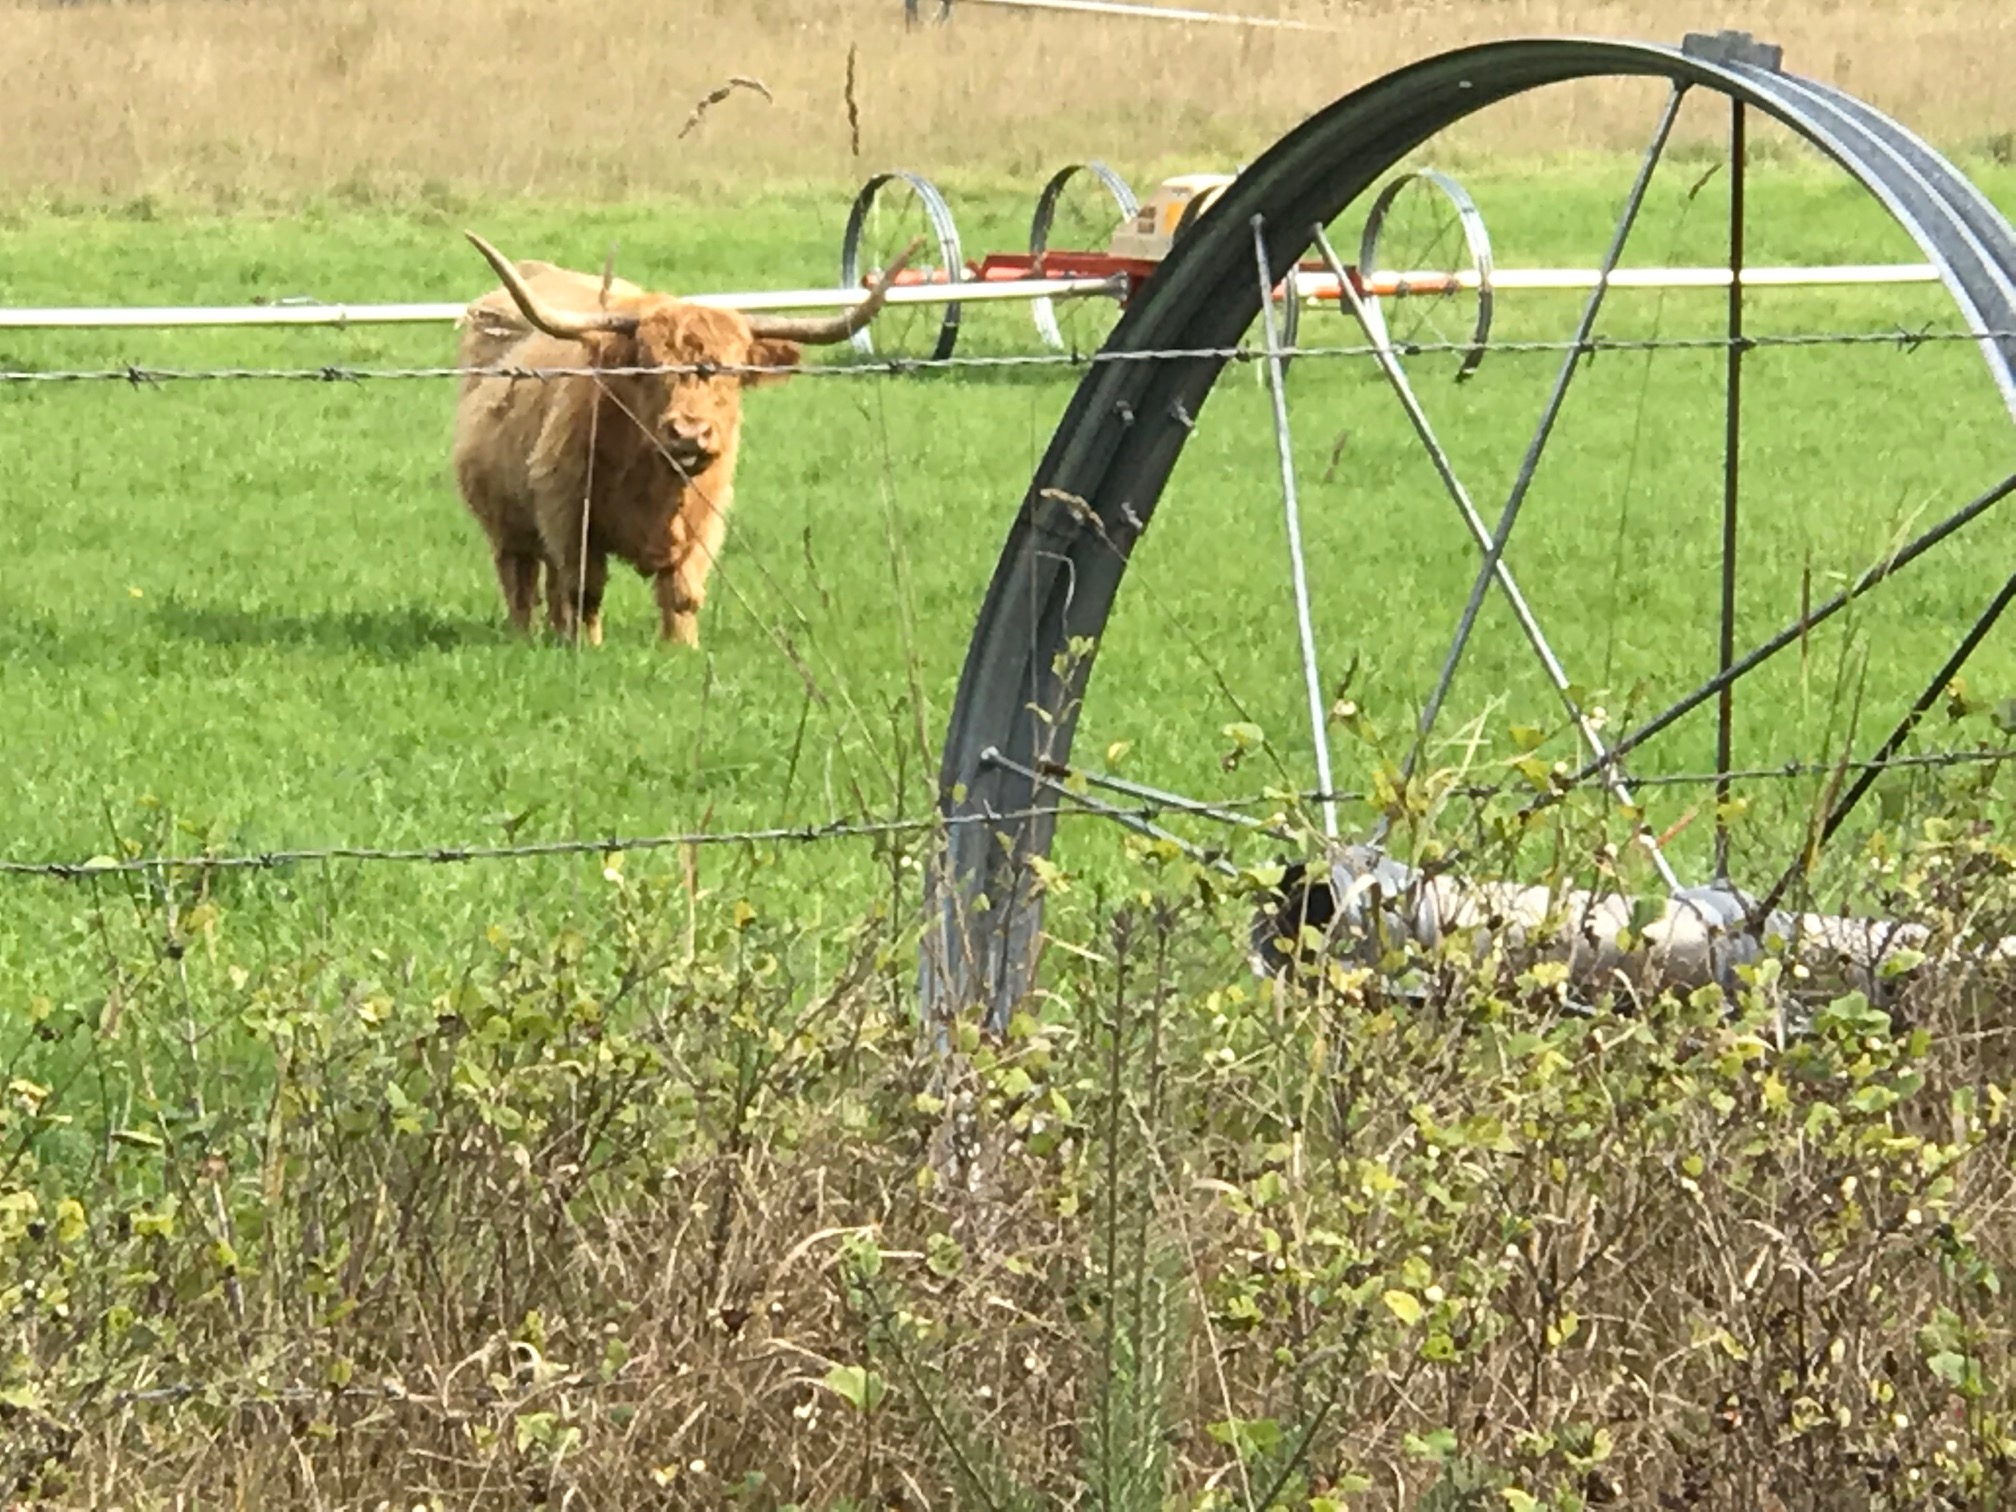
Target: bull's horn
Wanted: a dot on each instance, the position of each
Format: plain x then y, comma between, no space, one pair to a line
824,330
567,324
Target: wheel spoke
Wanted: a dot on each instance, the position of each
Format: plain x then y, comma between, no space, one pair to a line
1136,822
1725,709
1870,771
1538,446
1174,802
1884,570
1318,720
1396,376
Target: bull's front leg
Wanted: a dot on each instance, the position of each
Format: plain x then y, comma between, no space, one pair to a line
682,588
678,615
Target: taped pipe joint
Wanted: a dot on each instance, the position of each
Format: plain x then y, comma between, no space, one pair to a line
1367,904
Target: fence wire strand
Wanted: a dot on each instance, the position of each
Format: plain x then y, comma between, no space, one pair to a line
139,375
1163,807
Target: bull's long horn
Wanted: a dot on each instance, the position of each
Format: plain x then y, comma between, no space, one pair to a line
824,330
567,324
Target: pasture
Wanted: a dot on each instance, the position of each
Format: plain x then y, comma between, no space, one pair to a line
618,1179
251,615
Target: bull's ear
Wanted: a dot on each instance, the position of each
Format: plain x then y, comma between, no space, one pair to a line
767,352
618,349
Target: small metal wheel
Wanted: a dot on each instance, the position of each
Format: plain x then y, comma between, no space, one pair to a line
891,209
1425,227
1077,222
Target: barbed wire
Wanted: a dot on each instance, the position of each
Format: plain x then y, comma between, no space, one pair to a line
140,375
1161,807
834,829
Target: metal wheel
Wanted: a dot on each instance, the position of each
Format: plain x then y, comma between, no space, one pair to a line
1079,221
890,209
1425,229
1633,632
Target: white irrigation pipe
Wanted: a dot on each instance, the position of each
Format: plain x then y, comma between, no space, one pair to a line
163,317
1312,285
1324,285
1156,13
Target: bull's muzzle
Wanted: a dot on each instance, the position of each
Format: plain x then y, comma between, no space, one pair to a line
691,446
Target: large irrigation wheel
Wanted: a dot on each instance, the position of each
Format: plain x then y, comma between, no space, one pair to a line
1696,518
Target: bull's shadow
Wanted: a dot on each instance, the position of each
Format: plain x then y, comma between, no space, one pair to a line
397,632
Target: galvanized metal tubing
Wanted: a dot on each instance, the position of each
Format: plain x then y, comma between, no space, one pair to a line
1291,508
1029,662
1529,623
1732,445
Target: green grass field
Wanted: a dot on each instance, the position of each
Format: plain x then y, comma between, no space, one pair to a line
252,615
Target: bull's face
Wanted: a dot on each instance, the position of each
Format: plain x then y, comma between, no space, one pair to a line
693,415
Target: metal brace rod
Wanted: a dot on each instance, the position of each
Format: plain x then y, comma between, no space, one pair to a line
1375,332
1537,448
1318,710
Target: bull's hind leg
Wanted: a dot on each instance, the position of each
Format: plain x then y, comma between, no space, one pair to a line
518,576
567,591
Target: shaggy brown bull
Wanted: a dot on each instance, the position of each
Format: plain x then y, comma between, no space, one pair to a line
651,456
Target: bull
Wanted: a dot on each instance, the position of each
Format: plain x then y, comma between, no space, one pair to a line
566,472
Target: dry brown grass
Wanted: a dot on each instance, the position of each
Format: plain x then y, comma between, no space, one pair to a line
544,97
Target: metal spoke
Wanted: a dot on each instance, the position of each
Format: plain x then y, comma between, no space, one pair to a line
1545,430
1933,690
1318,710
1375,332
1888,568
1725,711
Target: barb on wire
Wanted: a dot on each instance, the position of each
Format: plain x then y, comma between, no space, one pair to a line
137,376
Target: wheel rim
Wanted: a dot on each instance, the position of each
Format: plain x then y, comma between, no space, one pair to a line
1454,244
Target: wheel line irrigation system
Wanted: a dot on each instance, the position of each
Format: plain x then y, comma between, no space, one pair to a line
1120,436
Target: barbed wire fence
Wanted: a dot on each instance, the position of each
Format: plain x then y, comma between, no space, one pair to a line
1138,815
1165,807
139,375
